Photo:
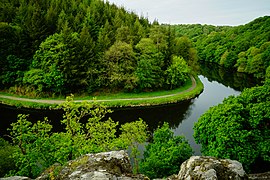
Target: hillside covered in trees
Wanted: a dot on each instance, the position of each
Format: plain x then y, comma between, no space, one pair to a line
59,47
238,128
245,48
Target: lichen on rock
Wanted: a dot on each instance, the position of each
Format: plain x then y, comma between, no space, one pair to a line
210,168
102,166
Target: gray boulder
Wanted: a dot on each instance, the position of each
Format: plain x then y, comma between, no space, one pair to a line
210,168
259,176
114,165
16,178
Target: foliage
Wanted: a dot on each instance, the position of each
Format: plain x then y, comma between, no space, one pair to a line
134,134
177,72
86,131
149,68
33,141
245,47
238,128
120,64
14,70
165,154
81,47
183,47
7,163
267,76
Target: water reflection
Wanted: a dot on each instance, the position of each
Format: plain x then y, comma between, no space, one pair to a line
213,94
228,77
155,116
8,115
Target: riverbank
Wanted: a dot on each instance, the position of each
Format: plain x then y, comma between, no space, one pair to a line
191,89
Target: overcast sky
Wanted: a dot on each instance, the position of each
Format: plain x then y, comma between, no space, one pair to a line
216,12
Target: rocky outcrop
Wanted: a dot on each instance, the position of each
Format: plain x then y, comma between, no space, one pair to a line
16,178
116,165
210,168
101,166
260,176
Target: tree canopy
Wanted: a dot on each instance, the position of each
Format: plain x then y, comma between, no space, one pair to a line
86,130
244,48
238,128
164,155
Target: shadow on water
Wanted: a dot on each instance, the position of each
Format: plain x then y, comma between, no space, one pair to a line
228,77
8,115
153,116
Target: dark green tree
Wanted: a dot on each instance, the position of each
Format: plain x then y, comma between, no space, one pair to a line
7,163
14,70
150,63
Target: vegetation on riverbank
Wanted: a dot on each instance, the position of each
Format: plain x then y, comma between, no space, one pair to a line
245,48
190,90
239,128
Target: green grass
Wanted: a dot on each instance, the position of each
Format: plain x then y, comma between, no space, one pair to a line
167,100
26,104
123,95
119,99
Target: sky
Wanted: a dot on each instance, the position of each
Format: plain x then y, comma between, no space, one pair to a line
215,12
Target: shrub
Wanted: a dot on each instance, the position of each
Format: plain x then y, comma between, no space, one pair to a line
165,154
7,163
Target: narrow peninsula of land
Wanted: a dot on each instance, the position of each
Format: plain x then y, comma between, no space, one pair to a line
191,89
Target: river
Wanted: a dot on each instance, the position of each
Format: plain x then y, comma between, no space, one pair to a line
218,84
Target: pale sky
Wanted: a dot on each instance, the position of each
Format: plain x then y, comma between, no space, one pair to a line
215,12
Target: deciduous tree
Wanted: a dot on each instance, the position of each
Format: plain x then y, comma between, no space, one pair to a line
165,154
238,128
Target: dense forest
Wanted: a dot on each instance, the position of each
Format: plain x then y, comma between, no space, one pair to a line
245,48
61,47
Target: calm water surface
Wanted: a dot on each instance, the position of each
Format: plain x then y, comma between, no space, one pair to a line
213,94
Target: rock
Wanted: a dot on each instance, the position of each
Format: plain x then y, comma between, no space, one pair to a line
259,176
210,168
113,165
16,178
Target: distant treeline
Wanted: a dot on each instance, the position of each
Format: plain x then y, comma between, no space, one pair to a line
71,46
245,48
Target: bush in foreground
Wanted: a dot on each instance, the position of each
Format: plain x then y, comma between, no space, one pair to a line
238,128
165,154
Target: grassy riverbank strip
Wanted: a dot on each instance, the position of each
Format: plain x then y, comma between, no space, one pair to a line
191,89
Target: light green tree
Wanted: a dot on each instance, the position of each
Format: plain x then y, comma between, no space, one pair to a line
238,128
133,134
86,131
177,72
164,155
120,64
